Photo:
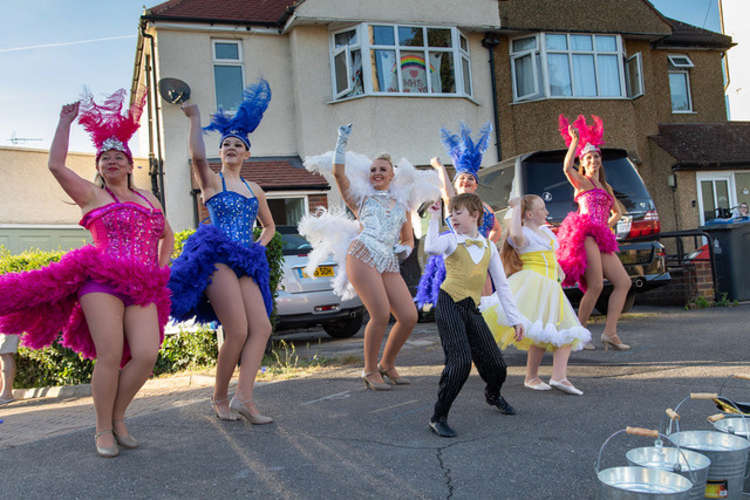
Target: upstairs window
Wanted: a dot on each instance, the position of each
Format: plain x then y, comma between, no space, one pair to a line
679,83
229,79
565,65
388,59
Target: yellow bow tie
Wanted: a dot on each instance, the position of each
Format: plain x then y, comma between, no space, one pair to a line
478,243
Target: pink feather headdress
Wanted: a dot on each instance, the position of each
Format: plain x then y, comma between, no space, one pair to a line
105,122
589,137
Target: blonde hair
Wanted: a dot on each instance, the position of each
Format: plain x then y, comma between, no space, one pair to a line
512,262
386,157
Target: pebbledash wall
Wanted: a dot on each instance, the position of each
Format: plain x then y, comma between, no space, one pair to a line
302,117
36,212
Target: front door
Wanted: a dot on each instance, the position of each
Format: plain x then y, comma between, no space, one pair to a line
715,195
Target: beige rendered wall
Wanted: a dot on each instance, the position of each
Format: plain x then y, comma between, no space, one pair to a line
31,195
475,13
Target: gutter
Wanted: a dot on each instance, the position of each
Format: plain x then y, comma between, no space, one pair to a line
490,42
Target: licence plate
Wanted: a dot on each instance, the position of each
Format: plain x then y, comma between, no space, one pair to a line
623,226
320,272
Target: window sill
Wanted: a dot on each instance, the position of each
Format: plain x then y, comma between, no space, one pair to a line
574,98
684,112
404,96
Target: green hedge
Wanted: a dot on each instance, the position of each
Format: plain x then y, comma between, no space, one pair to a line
57,365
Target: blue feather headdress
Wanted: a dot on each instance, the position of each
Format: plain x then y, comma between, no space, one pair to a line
467,156
255,99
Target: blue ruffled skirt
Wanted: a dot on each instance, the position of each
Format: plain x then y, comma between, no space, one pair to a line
192,270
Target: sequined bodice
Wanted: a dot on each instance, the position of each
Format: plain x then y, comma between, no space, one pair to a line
488,222
381,218
596,202
126,230
233,213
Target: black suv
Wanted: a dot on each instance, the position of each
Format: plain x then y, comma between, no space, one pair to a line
541,173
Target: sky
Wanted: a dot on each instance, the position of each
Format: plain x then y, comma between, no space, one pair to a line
50,49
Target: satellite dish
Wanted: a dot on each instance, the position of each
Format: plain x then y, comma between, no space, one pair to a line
173,90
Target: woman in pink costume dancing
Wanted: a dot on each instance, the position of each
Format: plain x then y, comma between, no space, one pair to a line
587,251
109,299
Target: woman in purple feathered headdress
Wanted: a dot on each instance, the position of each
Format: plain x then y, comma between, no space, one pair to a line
222,272
109,299
588,247
467,159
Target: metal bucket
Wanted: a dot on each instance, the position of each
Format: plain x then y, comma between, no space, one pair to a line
640,483
674,460
728,455
738,426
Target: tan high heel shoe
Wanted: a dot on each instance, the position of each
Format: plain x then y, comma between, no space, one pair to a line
241,407
126,440
374,385
614,342
106,451
392,377
215,405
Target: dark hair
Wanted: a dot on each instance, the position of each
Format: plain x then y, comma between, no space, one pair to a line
469,201
512,262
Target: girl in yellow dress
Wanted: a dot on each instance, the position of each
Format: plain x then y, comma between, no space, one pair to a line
534,277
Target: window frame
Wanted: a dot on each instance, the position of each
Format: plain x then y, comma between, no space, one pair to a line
227,62
685,72
542,81
638,58
680,65
367,48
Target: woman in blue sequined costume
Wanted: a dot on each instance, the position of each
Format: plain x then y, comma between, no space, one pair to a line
372,264
222,274
467,158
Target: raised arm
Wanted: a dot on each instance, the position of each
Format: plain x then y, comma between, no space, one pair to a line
574,177
434,242
516,224
339,167
82,191
446,189
207,178
264,216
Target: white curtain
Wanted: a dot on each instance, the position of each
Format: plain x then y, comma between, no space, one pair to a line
584,74
609,76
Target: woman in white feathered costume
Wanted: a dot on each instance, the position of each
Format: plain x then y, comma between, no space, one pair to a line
369,248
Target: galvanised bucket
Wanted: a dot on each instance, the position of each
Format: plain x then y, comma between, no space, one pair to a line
640,483
738,426
728,455
674,460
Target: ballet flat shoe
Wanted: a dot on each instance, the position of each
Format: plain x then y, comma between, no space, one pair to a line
539,386
106,451
568,389
241,407
126,441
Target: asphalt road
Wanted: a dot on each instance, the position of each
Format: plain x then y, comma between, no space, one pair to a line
333,439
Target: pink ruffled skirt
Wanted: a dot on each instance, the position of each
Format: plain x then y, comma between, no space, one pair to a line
44,302
571,253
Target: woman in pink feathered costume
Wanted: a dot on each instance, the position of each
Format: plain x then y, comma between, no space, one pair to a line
109,299
587,251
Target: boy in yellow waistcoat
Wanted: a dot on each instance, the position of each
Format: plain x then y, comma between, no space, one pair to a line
463,332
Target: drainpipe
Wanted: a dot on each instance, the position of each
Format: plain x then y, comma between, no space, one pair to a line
155,160
489,42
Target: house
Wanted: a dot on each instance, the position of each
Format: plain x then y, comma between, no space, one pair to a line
39,214
656,82
398,70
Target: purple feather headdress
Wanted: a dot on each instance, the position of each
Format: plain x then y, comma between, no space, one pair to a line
466,155
255,99
590,137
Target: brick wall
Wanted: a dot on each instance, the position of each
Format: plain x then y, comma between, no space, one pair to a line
689,282
317,200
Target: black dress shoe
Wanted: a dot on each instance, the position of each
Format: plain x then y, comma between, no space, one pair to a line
501,404
441,428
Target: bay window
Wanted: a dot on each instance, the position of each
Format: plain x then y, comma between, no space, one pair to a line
378,59
566,65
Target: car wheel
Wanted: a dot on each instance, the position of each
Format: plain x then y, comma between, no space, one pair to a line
344,328
602,304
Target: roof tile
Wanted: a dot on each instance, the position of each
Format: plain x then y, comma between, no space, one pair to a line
276,174
706,143
231,11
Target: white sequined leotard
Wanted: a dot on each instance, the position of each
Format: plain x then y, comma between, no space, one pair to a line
381,217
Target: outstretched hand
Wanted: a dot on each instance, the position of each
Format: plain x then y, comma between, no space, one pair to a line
69,112
190,110
345,131
573,132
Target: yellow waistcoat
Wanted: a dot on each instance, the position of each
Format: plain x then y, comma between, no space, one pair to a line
463,277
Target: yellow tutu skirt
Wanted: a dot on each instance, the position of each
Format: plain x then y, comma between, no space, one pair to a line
549,320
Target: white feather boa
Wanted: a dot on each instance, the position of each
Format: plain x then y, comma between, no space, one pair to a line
330,232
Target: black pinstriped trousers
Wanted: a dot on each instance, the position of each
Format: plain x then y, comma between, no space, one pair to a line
465,337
